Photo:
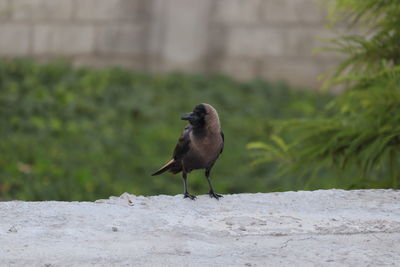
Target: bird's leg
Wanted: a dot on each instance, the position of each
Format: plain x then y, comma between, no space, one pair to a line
211,193
186,193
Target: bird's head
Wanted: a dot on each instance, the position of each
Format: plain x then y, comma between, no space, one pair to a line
203,115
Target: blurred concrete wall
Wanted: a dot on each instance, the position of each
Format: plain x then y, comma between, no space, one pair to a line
271,39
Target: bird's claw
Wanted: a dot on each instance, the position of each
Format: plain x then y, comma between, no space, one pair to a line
187,195
212,194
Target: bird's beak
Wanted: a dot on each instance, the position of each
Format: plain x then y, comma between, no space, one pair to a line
187,116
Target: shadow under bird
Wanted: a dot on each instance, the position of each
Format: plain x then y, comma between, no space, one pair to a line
199,146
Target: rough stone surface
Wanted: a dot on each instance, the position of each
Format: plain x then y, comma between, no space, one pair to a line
320,228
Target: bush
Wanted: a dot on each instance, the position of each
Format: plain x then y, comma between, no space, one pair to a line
83,134
360,136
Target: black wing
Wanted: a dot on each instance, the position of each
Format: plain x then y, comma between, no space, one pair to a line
223,141
183,145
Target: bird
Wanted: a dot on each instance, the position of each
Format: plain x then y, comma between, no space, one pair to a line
199,146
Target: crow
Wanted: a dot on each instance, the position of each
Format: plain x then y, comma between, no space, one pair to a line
199,146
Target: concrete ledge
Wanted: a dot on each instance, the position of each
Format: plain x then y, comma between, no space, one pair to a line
320,228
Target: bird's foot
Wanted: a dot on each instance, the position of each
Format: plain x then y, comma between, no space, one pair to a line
212,194
187,195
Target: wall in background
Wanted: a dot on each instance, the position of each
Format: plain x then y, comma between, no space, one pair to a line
271,39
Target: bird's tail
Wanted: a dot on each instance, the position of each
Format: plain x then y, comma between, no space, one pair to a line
165,168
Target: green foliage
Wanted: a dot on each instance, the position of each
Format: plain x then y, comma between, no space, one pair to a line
359,132
83,134
371,42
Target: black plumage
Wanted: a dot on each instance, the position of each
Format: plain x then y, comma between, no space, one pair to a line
199,146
